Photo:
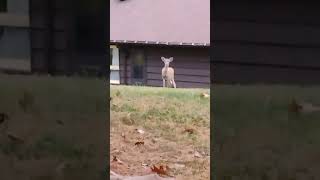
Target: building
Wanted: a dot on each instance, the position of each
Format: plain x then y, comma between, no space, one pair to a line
266,42
143,31
15,47
53,36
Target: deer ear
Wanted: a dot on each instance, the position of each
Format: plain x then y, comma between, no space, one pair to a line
162,58
171,59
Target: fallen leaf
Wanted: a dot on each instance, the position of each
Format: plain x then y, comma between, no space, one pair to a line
153,141
205,95
123,135
189,130
15,139
139,143
140,131
197,154
115,151
161,170
294,106
60,122
115,159
144,165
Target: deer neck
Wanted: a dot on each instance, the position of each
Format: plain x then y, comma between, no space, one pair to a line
166,70
165,75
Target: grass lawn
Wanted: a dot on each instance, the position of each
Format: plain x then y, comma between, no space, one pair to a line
53,118
176,126
253,130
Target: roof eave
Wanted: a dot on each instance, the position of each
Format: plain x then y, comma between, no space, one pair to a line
160,43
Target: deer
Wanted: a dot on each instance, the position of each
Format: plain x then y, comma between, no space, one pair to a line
168,73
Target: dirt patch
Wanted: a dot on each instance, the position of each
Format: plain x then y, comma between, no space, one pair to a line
145,133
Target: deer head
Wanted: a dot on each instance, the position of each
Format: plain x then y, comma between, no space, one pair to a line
166,61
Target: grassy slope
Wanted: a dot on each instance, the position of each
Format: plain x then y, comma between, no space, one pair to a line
163,114
78,103
255,119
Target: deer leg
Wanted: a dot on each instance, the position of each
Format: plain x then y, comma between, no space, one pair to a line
174,83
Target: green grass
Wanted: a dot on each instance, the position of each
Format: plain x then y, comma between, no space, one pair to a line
164,114
52,94
261,106
258,120
161,109
35,105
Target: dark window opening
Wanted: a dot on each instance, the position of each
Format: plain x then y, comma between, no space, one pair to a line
1,32
138,65
87,34
89,26
3,5
137,72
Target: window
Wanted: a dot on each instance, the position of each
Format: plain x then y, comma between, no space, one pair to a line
138,66
3,6
15,49
89,26
114,65
1,32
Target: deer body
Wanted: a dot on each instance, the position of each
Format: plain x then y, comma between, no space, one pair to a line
168,73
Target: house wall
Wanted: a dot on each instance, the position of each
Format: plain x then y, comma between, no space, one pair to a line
192,66
54,39
50,35
267,42
14,37
15,49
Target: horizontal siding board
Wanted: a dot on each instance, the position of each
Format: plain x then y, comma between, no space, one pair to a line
200,79
269,10
262,74
182,64
182,59
192,67
268,55
226,73
276,33
197,72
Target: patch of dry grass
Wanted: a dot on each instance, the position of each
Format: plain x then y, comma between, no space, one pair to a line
164,115
51,116
261,139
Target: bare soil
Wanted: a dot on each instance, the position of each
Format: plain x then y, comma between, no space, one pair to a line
180,145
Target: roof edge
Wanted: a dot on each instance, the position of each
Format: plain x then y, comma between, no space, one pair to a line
160,43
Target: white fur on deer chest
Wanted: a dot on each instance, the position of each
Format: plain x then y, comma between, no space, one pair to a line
168,74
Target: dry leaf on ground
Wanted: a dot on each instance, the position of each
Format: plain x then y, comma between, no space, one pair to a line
114,176
139,143
162,170
205,95
197,154
140,131
189,130
116,159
